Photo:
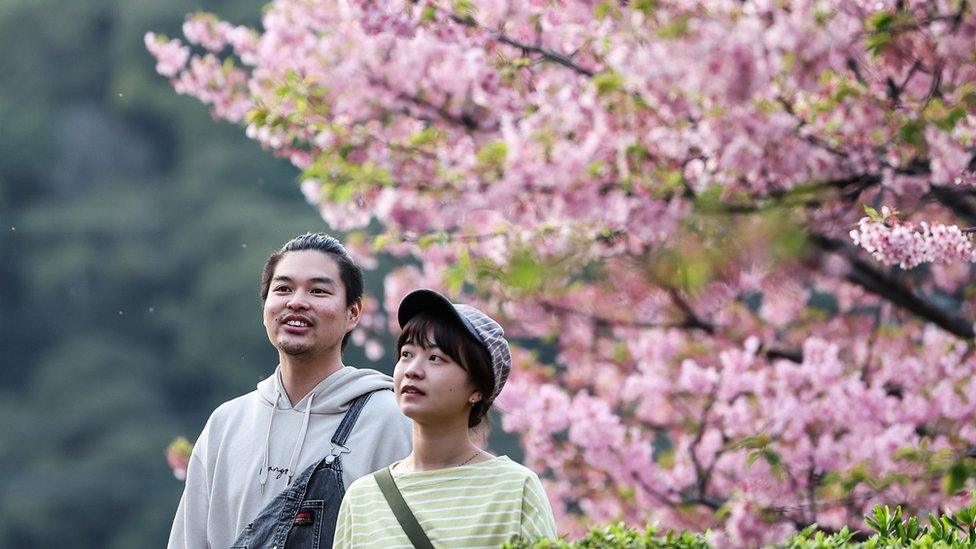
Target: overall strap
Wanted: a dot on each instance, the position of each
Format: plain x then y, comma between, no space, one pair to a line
349,420
413,529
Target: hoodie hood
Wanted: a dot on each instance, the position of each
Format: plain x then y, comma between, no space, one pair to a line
332,395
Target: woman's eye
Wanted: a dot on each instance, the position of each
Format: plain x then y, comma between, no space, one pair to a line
281,289
404,354
436,358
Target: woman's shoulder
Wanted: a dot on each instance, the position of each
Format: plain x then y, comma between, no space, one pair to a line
363,486
502,467
507,464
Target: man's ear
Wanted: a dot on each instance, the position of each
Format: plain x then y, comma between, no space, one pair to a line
355,312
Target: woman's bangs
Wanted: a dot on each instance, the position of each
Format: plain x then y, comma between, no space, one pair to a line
418,331
429,330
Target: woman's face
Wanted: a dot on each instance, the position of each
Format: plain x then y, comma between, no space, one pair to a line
430,387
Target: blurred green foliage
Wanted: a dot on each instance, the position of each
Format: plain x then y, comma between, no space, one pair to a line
132,231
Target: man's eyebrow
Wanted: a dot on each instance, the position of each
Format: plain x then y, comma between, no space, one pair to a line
314,280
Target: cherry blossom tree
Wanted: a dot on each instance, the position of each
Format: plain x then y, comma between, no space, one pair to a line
664,202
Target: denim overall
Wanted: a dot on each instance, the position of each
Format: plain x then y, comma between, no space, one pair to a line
304,515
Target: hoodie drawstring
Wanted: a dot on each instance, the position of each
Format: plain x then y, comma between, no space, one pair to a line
296,453
301,439
263,475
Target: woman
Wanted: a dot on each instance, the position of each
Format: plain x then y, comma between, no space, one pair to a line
453,362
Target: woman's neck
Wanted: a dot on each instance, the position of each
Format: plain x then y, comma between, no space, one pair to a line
441,447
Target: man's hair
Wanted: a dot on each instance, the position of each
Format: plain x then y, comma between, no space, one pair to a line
434,329
350,273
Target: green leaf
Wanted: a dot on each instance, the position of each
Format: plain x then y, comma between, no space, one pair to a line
881,21
948,122
955,478
595,168
789,242
457,273
428,136
257,115
342,192
428,240
693,271
491,157
872,213
882,28
181,446
606,9
607,83
382,241
228,65
466,9
758,441
675,28
913,133
646,7
525,272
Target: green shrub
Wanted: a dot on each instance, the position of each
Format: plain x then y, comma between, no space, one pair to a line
619,536
891,530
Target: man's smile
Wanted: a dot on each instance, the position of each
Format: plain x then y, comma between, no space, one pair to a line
296,323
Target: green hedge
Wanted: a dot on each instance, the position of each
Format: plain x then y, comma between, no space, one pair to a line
891,529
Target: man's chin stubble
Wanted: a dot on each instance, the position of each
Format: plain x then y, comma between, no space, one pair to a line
297,351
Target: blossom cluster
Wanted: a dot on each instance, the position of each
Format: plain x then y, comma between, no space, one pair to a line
805,442
171,55
908,246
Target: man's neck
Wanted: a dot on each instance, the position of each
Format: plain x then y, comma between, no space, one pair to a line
440,447
299,377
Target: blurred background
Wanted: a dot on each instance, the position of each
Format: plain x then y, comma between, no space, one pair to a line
132,231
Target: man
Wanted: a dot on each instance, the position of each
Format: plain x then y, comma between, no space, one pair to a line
271,466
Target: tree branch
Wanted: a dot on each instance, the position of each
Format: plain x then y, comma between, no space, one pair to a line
850,187
703,475
960,205
874,280
692,320
793,355
563,309
813,140
555,57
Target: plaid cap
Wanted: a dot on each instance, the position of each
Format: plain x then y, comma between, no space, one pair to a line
477,323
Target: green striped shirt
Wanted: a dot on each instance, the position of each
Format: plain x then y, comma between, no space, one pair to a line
479,505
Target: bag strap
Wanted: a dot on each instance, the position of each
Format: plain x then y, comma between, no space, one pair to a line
413,529
349,419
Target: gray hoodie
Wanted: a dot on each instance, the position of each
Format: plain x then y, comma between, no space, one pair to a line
251,447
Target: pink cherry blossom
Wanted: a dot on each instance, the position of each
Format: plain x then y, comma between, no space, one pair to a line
665,202
171,55
903,244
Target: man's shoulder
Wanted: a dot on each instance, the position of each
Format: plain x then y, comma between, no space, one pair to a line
382,397
235,407
382,404
382,421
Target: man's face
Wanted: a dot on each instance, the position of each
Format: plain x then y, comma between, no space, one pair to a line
305,313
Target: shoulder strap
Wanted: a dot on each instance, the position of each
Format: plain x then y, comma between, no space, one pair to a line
403,514
349,420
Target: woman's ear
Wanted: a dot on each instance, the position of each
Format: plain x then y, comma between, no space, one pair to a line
475,398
